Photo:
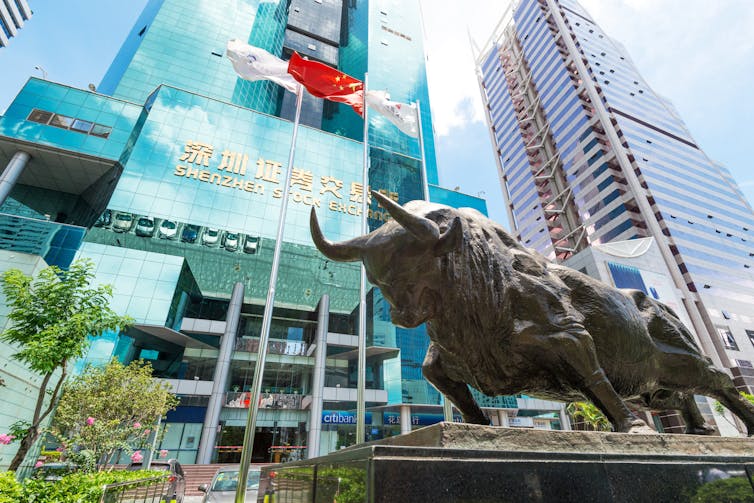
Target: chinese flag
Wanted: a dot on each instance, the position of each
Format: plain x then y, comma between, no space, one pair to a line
327,82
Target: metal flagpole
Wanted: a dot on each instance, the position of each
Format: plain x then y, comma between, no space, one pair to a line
362,362
251,421
425,183
447,405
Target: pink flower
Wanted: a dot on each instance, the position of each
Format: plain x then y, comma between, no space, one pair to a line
38,464
136,457
5,439
89,421
164,453
60,449
147,431
137,425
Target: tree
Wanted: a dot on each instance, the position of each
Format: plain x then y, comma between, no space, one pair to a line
108,408
50,318
589,415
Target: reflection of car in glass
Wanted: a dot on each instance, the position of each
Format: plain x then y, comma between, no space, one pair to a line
231,241
168,229
145,227
251,245
50,472
222,489
210,236
105,219
176,480
190,233
122,222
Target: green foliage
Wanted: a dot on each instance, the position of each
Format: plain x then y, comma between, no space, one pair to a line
53,314
50,455
19,429
50,318
731,490
110,408
77,487
590,415
10,488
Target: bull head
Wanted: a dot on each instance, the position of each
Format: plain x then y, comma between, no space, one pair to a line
400,257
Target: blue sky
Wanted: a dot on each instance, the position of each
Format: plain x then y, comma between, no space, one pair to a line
698,54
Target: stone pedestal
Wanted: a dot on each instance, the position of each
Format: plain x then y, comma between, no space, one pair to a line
451,462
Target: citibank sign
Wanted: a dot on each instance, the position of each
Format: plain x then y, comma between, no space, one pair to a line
343,417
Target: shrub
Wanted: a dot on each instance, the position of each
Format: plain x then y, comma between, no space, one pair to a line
51,456
76,487
10,489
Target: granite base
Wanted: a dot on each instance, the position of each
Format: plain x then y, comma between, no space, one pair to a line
451,462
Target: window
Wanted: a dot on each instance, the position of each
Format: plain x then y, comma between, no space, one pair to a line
750,333
61,121
82,126
70,123
728,340
100,130
40,116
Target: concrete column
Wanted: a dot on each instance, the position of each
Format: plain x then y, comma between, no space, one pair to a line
502,416
565,422
13,170
318,378
405,419
220,377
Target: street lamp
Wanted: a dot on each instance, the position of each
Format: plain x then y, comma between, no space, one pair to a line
44,73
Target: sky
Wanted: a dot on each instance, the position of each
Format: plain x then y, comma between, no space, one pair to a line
697,53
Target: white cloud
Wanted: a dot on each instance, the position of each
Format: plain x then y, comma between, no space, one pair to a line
452,79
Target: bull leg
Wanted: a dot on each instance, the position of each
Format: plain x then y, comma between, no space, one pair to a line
723,389
575,354
685,404
696,374
457,392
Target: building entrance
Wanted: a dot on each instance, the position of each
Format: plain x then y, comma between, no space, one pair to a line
274,444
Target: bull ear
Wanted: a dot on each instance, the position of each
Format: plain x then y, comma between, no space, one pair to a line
450,239
347,251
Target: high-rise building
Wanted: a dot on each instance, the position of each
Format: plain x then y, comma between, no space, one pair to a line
172,177
13,14
589,154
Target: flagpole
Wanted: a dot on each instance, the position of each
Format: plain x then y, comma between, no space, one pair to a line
362,361
251,420
425,182
447,405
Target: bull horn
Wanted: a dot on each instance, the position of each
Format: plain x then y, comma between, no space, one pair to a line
422,228
346,251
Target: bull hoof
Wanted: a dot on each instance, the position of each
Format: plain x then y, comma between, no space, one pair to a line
701,430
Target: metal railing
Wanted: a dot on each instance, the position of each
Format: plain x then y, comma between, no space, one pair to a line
150,490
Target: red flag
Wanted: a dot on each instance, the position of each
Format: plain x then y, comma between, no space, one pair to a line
327,82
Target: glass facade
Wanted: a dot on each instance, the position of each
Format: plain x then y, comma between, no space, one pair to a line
172,184
591,154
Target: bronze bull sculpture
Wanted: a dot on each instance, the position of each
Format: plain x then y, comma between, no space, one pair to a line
505,320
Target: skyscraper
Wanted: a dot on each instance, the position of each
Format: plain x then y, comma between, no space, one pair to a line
589,154
170,180
13,14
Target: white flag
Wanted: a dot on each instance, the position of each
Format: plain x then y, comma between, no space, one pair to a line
252,63
400,114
